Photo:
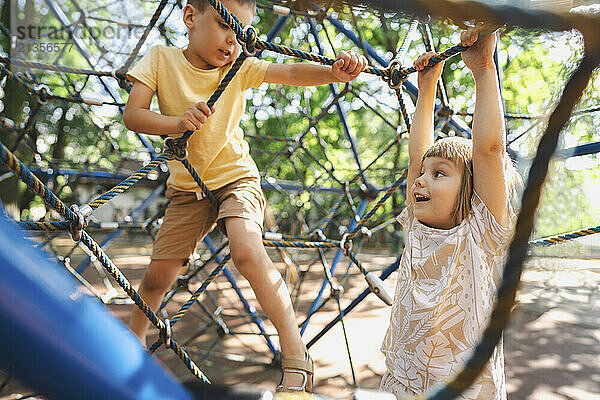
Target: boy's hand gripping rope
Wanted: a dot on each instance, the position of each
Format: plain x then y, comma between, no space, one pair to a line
394,74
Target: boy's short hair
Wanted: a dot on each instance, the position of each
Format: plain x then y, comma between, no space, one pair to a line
201,5
460,151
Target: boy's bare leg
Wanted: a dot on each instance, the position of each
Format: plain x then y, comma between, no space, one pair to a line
251,259
158,278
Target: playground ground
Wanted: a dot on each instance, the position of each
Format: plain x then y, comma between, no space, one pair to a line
552,346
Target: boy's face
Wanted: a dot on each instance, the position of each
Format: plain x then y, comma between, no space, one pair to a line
212,43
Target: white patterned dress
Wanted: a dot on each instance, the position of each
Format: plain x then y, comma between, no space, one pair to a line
444,296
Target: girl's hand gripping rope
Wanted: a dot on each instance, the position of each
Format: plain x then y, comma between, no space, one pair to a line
480,55
428,75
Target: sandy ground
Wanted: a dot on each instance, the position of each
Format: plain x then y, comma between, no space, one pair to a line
552,346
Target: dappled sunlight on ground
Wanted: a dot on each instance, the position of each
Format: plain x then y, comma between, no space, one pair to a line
552,346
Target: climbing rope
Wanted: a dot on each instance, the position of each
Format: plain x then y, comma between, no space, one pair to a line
76,227
565,237
57,68
177,151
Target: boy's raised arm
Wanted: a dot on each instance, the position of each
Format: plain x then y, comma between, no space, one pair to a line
489,154
421,130
347,67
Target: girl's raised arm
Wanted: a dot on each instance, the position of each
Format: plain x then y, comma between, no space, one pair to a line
421,130
489,154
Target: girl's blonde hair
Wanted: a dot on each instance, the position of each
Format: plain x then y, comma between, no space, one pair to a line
460,151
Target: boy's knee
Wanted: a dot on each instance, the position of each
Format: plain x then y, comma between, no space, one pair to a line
249,258
161,274
246,256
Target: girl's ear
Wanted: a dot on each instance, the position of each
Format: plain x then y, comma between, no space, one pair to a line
189,13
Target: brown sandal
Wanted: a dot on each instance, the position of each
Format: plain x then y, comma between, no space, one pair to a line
302,367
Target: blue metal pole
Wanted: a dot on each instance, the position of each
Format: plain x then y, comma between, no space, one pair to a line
63,343
340,110
338,256
275,30
249,309
410,88
581,150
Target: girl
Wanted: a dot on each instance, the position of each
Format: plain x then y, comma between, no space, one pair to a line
456,222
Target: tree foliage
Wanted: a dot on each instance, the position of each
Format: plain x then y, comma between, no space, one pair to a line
534,67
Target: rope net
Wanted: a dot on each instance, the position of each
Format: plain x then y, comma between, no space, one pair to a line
332,162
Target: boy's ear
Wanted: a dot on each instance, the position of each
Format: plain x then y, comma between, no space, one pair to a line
189,13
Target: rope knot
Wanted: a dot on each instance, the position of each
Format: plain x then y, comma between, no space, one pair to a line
175,148
77,225
395,76
249,46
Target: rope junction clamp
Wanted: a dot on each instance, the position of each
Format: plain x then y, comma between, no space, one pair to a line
249,46
7,123
275,236
345,244
120,75
318,233
395,78
222,328
76,226
290,150
86,210
376,286
336,288
366,231
91,102
281,10
41,93
166,333
175,149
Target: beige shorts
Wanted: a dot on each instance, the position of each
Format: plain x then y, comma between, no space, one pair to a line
188,220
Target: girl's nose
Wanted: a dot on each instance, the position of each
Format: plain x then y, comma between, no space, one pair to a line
419,181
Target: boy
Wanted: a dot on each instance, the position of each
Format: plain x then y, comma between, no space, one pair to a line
220,155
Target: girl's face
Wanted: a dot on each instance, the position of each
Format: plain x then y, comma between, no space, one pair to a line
435,192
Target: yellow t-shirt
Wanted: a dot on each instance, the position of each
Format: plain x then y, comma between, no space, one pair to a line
218,150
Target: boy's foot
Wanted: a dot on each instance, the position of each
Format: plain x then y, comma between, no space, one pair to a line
297,375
